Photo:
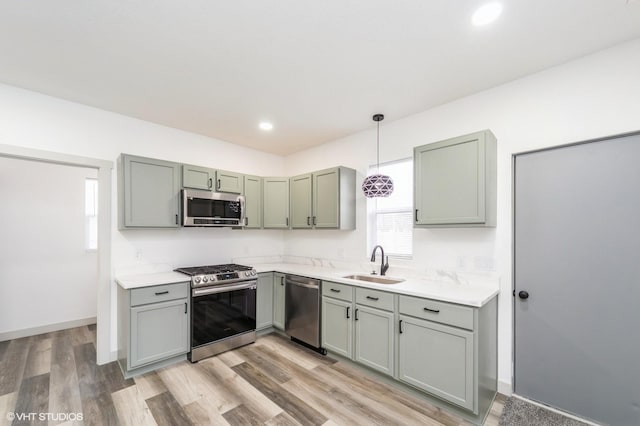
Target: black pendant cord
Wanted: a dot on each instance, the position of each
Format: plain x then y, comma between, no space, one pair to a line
378,150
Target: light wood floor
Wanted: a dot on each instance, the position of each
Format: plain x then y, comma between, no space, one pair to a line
271,382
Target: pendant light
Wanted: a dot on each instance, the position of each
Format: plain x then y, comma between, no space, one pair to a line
377,185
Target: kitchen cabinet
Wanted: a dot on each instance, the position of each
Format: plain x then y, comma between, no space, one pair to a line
275,192
153,326
455,182
278,300
264,302
337,328
324,199
253,202
374,330
197,177
229,182
148,193
449,351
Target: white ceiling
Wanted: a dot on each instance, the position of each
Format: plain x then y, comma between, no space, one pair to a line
317,69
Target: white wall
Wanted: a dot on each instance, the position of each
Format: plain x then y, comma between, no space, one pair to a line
598,95
46,274
36,121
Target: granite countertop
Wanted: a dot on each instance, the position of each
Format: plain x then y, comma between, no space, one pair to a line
446,290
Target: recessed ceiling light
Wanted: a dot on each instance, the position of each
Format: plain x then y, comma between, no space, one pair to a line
265,125
486,14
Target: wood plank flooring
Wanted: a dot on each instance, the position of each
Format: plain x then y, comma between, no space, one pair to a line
271,382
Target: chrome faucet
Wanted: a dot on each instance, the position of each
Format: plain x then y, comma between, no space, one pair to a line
383,266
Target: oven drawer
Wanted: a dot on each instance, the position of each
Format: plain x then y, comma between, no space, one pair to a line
159,293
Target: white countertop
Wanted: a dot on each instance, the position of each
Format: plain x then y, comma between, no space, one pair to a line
469,294
147,280
445,290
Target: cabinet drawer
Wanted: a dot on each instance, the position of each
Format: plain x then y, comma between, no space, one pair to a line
337,291
442,312
159,293
375,298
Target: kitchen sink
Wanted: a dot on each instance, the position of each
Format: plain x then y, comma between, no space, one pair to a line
373,279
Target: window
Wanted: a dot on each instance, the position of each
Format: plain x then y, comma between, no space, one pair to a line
390,218
91,214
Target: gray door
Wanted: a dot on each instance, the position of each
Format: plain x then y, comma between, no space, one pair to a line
577,255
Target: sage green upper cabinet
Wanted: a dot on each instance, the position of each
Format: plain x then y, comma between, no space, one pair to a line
455,182
324,199
301,202
229,182
253,202
275,207
197,177
148,192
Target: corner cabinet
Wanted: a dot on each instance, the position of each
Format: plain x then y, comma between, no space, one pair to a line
455,182
278,300
148,193
275,193
264,301
252,202
324,199
153,326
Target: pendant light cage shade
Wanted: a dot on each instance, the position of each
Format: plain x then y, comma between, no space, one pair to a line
377,186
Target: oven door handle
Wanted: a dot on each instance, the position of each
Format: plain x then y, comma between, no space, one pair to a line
223,289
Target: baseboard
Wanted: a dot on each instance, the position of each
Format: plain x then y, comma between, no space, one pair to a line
33,331
505,388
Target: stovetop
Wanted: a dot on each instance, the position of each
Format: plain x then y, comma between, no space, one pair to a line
218,274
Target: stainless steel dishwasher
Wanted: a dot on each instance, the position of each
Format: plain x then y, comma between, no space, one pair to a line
302,310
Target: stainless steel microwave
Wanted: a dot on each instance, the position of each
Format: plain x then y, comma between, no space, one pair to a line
205,208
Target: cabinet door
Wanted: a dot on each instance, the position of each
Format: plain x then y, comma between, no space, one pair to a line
264,303
253,201
278,301
151,192
438,359
229,182
197,177
450,181
374,338
275,205
301,201
158,331
337,329
326,196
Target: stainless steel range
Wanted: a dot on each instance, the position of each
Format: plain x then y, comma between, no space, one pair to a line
223,308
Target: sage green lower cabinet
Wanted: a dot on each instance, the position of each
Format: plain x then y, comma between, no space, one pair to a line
374,338
264,302
438,359
153,326
336,327
278,300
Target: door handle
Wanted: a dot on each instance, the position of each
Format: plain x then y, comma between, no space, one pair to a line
416,215
348,311
400,326
314,221
282,280
309,220
246,221
287,221
185,307
523,295
210,185
219,185
176,219
356,315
